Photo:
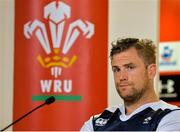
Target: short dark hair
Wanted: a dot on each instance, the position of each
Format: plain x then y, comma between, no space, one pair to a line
145,48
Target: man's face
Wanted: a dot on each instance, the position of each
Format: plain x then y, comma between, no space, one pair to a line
131,75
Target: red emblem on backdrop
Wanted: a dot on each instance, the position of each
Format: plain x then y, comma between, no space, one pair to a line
60,50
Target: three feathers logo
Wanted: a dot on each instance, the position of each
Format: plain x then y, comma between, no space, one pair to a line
57,14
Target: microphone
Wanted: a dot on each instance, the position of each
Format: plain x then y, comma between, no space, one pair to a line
48,101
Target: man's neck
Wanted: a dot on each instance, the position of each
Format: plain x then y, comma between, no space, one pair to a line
132,107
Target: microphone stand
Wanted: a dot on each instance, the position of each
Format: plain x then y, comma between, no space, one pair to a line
23,116
47,101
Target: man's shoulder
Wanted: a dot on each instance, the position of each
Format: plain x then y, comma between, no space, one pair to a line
169,122
110,109
164,105
88,125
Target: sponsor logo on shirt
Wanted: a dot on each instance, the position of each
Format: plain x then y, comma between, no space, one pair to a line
146,120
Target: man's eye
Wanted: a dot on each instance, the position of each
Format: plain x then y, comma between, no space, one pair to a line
116,70
130,67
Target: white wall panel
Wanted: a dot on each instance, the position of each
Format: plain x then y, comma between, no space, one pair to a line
131,18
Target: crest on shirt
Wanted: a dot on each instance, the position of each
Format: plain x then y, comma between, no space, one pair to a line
101,122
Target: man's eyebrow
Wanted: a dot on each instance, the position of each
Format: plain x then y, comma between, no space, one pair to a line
129,64
115,66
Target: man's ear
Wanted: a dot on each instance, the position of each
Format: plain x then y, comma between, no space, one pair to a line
152,71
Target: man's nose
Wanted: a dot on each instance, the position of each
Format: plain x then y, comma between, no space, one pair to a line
123,76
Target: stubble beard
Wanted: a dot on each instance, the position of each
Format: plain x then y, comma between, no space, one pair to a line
135,95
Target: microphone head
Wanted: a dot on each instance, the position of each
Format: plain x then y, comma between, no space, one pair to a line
50,100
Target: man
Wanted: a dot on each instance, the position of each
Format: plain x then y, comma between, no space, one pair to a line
134,67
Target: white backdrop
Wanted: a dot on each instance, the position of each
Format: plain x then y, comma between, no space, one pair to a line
131,18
